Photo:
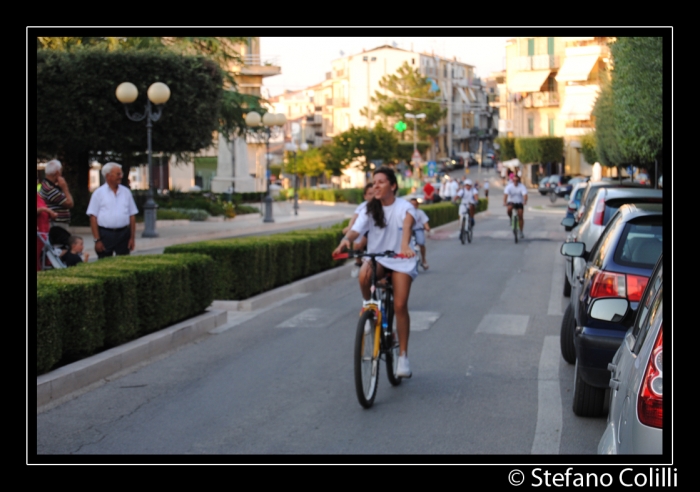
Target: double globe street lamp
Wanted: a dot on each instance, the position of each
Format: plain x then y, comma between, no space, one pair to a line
158,94
272,124
292,147
415,118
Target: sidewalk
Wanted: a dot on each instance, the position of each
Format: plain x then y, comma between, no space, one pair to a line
184,231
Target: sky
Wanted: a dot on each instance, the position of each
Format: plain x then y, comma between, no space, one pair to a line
305,60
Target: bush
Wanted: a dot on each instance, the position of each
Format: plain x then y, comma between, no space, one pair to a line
195,214
170,214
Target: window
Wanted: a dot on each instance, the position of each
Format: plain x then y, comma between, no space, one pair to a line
550,46
531,47
551,127
413,61
531,126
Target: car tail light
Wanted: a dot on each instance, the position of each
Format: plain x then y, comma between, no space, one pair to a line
599,212
650,402
609,284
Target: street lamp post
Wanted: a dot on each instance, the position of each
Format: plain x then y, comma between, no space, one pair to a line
158,94
368,60
272,123
415,118
292,147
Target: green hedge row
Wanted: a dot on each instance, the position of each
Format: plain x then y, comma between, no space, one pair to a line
248,266
94,306
443,213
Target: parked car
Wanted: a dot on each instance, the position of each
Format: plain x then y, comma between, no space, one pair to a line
642,178
488,162
564,190
445,163
592,187
619,265
543,187
457,162
574,202
603,206
418,195
635,415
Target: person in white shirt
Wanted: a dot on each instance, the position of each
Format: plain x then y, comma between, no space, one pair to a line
486,189
468,198
419,229
112,212
445,189
362,243
454,187
389,221
515,197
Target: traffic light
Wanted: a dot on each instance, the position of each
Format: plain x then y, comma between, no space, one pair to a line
400,126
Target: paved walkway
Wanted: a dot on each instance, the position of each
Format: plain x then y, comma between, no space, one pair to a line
184,231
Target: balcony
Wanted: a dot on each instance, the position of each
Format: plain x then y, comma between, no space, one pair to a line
538,62
258,65
341,102
541,100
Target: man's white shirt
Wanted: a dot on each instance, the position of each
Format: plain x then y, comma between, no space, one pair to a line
515,193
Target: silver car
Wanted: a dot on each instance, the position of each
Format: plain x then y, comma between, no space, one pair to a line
635,417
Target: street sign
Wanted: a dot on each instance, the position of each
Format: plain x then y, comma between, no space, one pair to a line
416,156
432,167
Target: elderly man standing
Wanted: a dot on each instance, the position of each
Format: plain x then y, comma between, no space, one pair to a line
55,193
112,212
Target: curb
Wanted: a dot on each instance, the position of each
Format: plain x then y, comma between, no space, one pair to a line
68,379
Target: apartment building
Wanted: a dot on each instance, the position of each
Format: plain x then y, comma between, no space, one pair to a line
550,89
242,161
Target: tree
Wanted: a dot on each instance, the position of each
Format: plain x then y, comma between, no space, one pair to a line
361,145
588,147
310,163
409,92
637,89
78,114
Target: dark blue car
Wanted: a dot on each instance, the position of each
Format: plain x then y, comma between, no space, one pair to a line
618,265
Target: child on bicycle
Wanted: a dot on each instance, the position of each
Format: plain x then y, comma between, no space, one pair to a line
362,243
420,226
469,197
389,221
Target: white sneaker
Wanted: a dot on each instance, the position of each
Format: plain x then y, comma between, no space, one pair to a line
355,271
404,369
522,236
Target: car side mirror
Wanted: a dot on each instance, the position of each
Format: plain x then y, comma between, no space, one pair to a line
573,249
568,222
609,309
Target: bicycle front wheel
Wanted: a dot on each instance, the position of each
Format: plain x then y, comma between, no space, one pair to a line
461,231
367,358
515,226
469,230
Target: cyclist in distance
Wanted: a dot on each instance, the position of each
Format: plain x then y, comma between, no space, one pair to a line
389,222
362,243
515,197
469,197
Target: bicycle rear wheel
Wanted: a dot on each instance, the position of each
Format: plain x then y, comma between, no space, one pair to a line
391,341
461,231
366,362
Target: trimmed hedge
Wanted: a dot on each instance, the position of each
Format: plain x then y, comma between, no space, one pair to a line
443,213
93,306
248,266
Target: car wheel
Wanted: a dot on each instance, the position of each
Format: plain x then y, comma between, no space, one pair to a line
589,401
566,335
567,286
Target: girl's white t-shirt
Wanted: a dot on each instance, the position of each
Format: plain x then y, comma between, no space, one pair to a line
360,208
389,238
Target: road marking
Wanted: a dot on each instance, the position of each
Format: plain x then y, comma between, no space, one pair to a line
422,320
503,324
549,414
310,318
555,292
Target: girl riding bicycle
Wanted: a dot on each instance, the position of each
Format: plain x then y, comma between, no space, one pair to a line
389,222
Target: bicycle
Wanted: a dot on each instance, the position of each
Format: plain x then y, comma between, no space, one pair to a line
465,231
375,338
415,247
515,224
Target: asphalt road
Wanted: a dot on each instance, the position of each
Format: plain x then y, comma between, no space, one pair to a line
489,382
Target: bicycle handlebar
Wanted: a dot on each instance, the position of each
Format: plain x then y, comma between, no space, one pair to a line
358,254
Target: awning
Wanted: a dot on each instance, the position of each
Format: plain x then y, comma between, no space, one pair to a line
530,81
578,102
463,95
471,93
576,68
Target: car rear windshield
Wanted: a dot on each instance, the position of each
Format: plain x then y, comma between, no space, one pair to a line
611,206
641,243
